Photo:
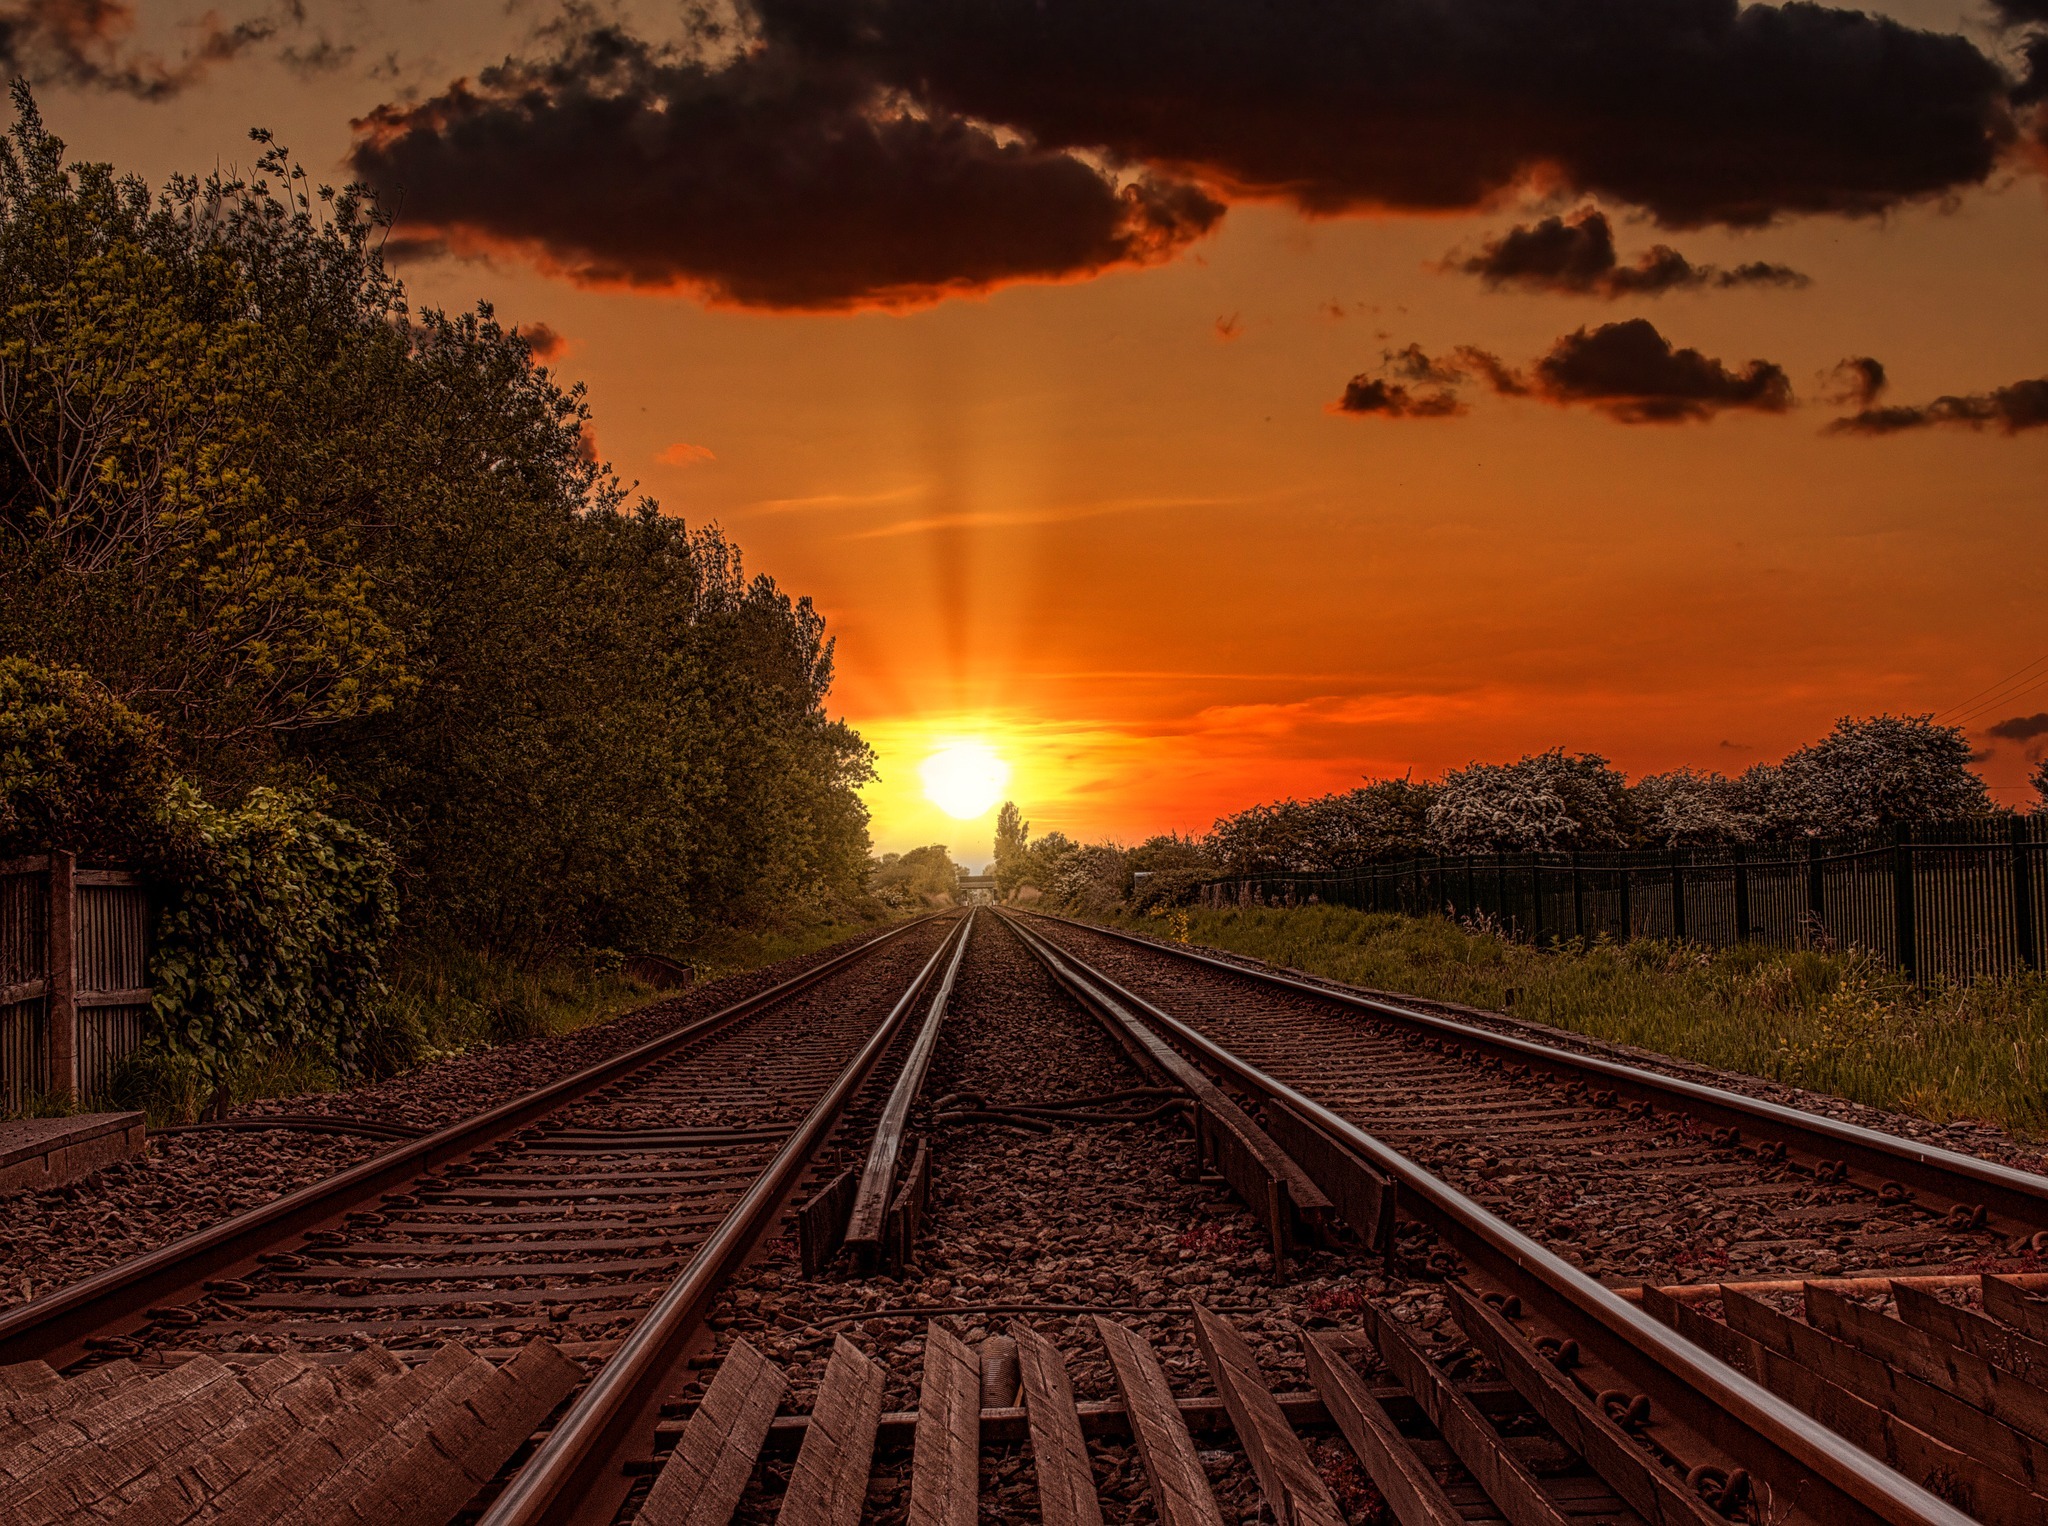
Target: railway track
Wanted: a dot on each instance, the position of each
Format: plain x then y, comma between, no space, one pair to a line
594,1215
1414,1270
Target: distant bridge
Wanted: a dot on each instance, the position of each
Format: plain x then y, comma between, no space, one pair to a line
978,889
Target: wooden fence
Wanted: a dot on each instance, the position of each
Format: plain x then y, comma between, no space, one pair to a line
74,976
1956,901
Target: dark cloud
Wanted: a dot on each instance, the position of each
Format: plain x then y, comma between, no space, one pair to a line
81,43
1395,400
771,181
1633,373
1578,256
1699,111
2023,405
1857,381
543,339
2021,12
2021,728
1627,370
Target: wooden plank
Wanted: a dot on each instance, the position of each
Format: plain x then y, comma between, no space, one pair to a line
822,1220
1293,1488
876,1192
1919,1404
184,1487
43,1444
267,1493
830,1480
1738,1351
362,1487
1066,1483
79,1477
1996,1343
945,1473
1970,1484
708,1471
1403,1479
183,1483
2007,1299
1655,1494
1180,1489
1510,1485
1963,1373
24,1378
449,1448
1365,1198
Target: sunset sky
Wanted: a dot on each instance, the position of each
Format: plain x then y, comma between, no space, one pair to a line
1019,336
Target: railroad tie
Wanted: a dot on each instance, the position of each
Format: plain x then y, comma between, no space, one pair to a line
945,1474
1286,1475
830,1480
1180,1489
1066,1483
704,1477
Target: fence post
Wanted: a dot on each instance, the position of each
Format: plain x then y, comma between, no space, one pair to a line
1816,894
1535,903
1471,886
1902,898
1578,899
1677,898
1741,894
60,976
2026,934
1628,903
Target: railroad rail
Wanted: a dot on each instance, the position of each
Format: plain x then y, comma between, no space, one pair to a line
1456,1205
598,1211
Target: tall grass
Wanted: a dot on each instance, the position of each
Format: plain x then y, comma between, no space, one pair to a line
1835,1022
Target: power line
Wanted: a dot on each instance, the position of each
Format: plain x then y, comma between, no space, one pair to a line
1994,695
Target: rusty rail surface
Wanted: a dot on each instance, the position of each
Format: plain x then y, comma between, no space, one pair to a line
113,1304
2014,1200
571,1476
1826,1477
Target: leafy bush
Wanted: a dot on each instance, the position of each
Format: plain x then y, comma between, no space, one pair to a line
272,933
78,769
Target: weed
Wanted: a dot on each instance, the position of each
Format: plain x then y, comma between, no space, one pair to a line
1830,1020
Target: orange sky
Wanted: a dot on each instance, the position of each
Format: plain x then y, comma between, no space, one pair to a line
1113,527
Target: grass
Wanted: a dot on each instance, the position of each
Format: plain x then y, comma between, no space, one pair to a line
449,1001
1834,1022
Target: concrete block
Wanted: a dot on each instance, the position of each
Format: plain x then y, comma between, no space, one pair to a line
40,1153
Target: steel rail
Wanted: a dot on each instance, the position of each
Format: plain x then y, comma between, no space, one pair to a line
564,1479
55,1326
877,1186
1859,1480
2019,1197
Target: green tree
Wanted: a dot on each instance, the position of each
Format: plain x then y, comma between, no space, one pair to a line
1013,837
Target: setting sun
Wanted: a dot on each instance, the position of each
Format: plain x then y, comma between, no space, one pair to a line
964,779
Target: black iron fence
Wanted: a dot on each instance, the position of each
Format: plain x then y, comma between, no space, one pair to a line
1956,900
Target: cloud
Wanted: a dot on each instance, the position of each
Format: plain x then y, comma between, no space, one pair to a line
2023,405
1698,111
80,43
1577,256
1856,381
546,342
1626,370
684,454
1633,373
1393,400
2021,728
770,180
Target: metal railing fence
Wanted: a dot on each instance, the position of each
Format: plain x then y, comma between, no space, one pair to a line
1955,901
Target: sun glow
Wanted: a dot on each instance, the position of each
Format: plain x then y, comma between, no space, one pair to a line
964,779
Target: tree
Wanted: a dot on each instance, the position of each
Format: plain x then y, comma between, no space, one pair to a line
2039,779
1867,774
1168,851
1013,836
1690,808
1546,802
315,534
921,877
1384,819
